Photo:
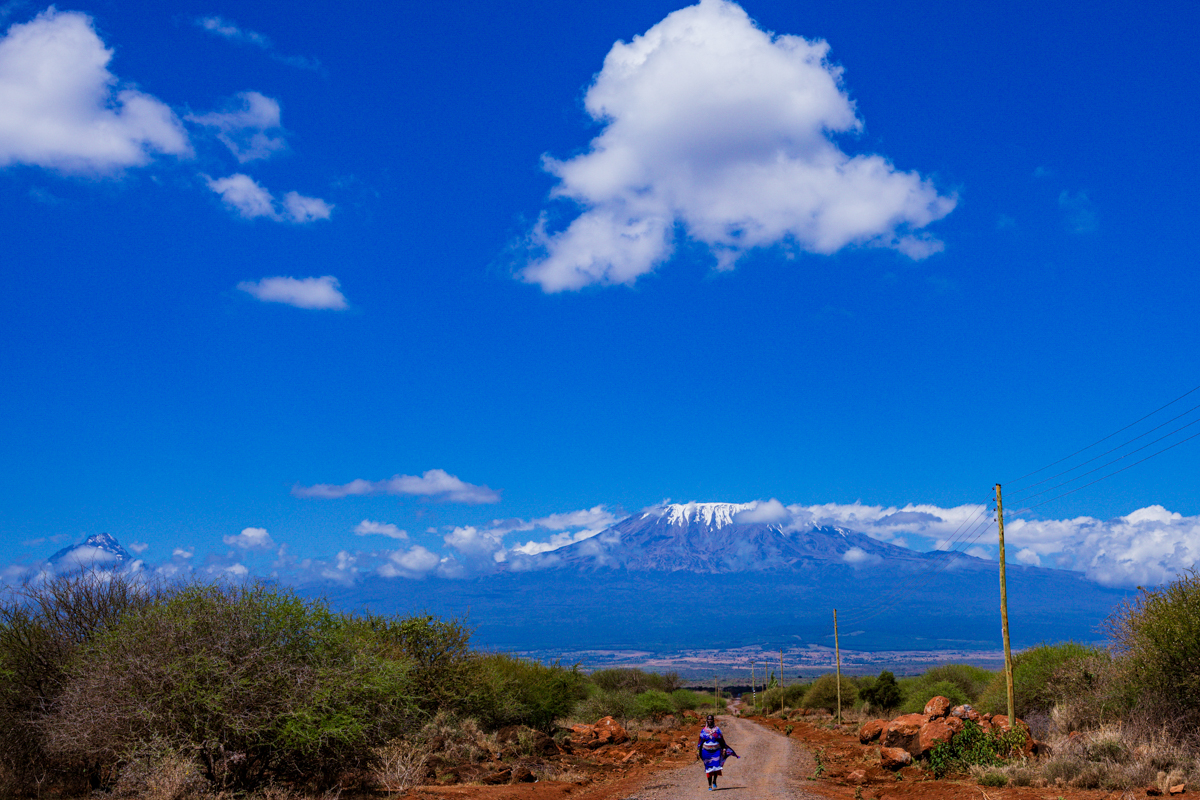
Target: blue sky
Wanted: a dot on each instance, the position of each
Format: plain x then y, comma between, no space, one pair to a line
250,251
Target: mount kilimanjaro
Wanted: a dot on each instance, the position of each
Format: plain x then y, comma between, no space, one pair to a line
703,575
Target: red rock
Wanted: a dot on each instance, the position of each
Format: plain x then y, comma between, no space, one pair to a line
609,731
1000,722
955,724
523,775
937,706
1178,789
858,776
871,731
904,732
894,758
932,734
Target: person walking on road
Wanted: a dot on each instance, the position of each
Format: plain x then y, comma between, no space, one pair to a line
713,750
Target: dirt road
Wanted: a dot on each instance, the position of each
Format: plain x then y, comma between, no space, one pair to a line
771,767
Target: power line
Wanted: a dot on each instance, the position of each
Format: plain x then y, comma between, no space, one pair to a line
1106,438
1106,452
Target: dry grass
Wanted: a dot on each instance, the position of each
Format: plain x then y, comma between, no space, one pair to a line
160,774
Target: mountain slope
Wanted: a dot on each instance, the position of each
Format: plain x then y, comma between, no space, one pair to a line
98,550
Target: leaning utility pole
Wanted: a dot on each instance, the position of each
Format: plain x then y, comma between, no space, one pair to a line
837,649
1008,670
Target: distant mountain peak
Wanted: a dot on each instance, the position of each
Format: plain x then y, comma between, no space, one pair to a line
98,550
713,515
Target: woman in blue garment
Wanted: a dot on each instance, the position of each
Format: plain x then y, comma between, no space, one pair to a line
712,750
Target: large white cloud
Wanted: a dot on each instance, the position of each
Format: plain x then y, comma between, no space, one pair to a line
61,108
720,128
435,483
250,539
314,293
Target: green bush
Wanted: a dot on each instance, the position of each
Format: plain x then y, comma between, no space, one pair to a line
770,700
618,704
634,680
823,693
883,692
686,699
514,691
652,704
919,693
1156,637
1034,672
254,681
971,680
974,747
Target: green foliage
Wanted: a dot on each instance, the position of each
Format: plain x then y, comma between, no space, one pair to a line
972,746
994,779
634,680
1156,637
971,680
770,700
514,691
917,694
1034,672
685,699
652,704
602,703
823,693
254,681
883,692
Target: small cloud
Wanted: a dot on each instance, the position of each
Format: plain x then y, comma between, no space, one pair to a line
769,512
250,132
1005,223
435,483
1028,557
251,200
237,570
1041,172
138,547
312,293
179,552
856,557
369,528
1079,212
230,31
416,562
250,539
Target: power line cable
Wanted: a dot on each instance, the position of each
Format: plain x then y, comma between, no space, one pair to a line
1106,438
1018,490
1109,463
1122,469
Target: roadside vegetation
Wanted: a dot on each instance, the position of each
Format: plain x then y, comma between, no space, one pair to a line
1116,718
188,690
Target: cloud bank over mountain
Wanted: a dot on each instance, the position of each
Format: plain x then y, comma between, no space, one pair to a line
725,132
1146,547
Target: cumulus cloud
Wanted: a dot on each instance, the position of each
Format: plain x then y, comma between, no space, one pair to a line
435,483
416,562
251,199
138,547
61,108
250,539
1079,212
230,31
251,131
313,293
722,130
369,528
768,512
857,557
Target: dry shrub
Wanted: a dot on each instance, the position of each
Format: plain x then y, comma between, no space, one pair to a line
160,773
400,765
558,772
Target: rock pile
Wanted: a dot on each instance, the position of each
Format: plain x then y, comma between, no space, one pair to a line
606,731
914,735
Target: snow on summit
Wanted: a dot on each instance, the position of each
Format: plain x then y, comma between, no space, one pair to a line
714,515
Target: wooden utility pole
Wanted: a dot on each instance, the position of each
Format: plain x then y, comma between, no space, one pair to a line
753,684
837,649
781,669
1008,669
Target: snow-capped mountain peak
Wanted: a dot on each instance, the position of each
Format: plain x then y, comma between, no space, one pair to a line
99,549
713,515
